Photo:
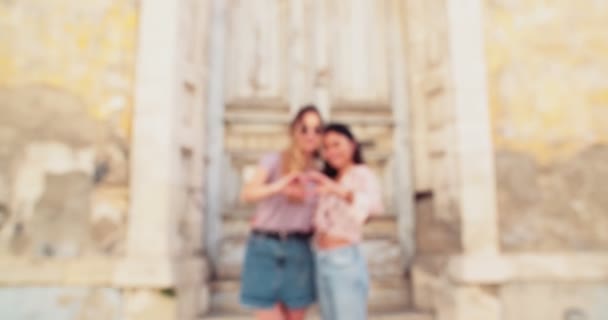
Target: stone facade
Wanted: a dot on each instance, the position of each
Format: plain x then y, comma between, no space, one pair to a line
549,100
66,98
114,115
547,89
61,303
546,116
66,86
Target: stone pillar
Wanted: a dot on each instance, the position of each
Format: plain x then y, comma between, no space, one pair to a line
165,219
153,175
477,186
476,191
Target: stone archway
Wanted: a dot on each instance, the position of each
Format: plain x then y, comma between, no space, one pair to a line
449,128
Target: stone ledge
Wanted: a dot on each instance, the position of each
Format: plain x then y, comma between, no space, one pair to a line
404,315
496,269
118,272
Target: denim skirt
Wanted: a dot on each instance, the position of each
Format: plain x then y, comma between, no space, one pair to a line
278,271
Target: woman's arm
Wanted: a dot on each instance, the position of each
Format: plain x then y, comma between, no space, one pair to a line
329,186
367,196
257,188
362,192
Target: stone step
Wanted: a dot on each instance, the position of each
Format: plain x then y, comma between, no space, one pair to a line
384,257
398,315
383,227
250,155
388,295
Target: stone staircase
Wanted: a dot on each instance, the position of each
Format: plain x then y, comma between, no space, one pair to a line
404,315
390,289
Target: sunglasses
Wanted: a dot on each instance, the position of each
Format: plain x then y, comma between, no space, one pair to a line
306,130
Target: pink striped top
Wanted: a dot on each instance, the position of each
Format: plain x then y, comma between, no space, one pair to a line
277,213
335,216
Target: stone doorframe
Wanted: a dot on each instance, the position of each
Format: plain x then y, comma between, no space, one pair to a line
168,159
474,152
160,146
398,101
444,44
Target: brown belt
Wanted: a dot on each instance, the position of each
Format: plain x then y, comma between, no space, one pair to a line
282,236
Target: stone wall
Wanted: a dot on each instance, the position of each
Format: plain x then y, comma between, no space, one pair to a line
66,82
548,94
438,223
66,98
549,100
66,87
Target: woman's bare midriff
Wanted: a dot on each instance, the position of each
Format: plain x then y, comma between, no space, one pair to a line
326,241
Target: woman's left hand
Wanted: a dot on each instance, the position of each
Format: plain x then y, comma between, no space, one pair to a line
295,192
326,185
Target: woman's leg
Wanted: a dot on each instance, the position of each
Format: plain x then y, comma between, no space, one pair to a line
323,288
295,314
280,312
275,313
260,277
297,290
346,280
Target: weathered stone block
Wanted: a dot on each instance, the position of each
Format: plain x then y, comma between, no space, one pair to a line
557,207
59,224
385,296
427,276
51,172
435,235
568,301
192,288
144,304
61,304
467,303
142,272
495,269
109,219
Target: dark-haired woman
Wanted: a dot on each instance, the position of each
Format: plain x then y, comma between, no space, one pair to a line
278,273
350,193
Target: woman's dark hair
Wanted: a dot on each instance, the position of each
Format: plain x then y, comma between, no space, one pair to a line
342,129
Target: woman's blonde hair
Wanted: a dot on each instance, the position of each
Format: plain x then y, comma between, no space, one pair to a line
292,159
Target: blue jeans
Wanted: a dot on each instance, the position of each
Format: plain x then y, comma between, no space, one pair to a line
277,271
342,283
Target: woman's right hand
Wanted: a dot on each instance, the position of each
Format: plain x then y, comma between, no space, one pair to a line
291,186
282,183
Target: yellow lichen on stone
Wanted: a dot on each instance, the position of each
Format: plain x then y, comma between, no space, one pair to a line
86,48
66,92
546,71
548,94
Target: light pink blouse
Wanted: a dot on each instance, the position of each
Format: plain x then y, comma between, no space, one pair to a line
337,217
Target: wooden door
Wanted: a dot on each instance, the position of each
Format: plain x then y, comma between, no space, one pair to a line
346,57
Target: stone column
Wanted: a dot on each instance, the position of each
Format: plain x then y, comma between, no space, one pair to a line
165,218
476,191
474,141
153,175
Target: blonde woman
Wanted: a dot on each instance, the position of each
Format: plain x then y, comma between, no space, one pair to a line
278,273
